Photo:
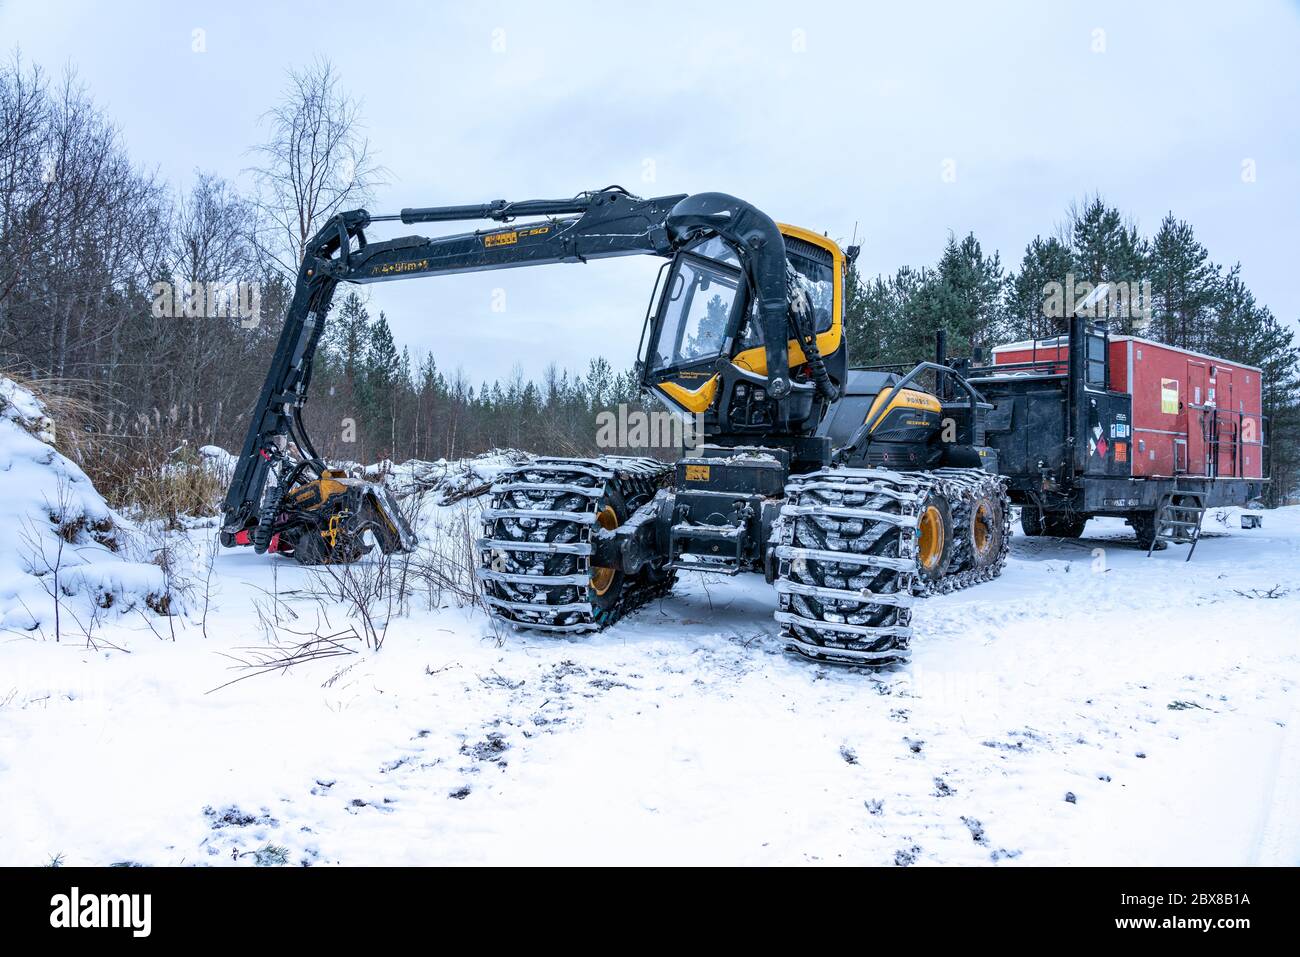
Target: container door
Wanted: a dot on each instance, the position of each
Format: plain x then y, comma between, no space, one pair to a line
1229,422
1192,420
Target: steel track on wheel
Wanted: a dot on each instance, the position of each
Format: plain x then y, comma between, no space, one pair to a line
536,553
846,545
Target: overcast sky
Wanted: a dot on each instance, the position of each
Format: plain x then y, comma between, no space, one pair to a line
834,116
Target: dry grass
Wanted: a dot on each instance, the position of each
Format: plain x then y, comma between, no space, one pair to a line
153,476
76,409
185,486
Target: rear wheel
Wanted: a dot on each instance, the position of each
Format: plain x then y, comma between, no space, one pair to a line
1034,521
854,545
1064,525
934,539
981,527
1144,527
988,532
1031,520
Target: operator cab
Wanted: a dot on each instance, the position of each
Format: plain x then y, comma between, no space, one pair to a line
705,355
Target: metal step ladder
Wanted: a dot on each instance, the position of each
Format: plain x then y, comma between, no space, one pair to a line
706,548
1178,520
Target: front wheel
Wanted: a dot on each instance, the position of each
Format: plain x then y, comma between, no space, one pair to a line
847,551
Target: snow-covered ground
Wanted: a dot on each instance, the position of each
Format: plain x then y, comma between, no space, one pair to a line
1092,706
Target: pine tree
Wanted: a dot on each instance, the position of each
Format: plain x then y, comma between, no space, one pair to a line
1045,261
966,298
381,378
861,338
1246,332
877,316
1106,248
346,337
599,384
1184,286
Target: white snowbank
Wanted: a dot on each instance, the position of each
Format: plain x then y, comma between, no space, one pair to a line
62,538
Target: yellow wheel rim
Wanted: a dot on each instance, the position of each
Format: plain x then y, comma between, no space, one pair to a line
980,533
931,544
601,577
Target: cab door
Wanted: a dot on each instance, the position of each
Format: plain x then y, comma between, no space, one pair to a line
692,331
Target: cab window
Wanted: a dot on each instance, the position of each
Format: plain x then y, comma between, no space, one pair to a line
817,279
700,297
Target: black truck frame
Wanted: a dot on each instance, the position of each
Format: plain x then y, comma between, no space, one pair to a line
1039,424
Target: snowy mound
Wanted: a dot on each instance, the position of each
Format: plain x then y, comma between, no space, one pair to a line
65,549
217,458
450,480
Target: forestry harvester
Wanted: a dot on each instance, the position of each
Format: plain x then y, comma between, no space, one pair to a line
851,490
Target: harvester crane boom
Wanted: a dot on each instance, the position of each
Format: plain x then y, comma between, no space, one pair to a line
594,225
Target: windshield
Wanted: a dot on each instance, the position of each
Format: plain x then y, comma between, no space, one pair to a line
700,296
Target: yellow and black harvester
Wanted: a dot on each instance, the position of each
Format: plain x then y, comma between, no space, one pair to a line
853,491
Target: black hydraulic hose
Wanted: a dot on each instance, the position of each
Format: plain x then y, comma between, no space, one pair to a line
805,333
304,442
818,365
294,475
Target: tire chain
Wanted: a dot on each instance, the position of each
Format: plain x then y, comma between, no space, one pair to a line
519,585
868,633
963,488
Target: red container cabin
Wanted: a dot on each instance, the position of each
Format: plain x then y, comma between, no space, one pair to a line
1090,424
1193,414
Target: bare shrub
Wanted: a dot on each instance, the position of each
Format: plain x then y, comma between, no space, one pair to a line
45,566
186,485
447,567
211,548
363,588
283,653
